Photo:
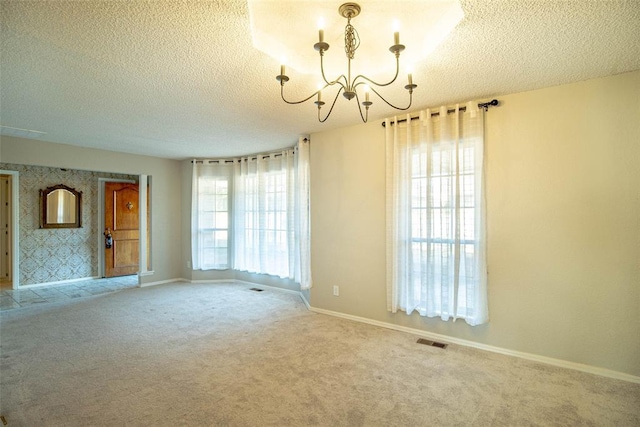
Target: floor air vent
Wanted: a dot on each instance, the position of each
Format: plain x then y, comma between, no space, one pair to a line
256,289
431,343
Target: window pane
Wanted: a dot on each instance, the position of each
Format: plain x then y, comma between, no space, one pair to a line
213,220
221,203
221,186
222,220
207,239
221,256
221,238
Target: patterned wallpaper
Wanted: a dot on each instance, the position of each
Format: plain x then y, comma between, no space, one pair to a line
51,255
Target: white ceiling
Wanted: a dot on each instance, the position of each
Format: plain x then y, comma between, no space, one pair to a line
183,79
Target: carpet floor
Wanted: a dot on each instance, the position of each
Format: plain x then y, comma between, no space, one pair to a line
224,355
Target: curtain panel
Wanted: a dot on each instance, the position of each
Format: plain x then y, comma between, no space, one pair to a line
436,238
302,273
210,203
264,214
267,211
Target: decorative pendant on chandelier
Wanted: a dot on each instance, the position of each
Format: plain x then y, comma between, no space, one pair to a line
348,86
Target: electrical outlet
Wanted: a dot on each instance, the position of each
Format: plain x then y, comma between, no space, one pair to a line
336,291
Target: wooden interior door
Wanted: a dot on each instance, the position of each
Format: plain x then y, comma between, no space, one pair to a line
122,221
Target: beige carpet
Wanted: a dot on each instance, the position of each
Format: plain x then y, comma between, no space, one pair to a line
223,355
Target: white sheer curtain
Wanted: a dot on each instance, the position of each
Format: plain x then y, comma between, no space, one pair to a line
303,215
263,214
252,214
436,255
271,231
210,204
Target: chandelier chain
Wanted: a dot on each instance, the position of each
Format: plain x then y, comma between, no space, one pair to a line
351,40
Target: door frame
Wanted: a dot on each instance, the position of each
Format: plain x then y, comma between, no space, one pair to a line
15,226
101,184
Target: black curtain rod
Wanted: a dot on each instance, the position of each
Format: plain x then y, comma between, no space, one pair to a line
254,157
214,161
484,105
237,160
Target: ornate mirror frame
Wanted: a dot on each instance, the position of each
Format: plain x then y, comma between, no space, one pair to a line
77,209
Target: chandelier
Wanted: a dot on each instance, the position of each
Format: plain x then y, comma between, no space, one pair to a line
348,86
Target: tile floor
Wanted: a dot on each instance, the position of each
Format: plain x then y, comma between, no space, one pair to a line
11,299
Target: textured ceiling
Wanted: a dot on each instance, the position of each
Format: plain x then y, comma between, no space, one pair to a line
182,79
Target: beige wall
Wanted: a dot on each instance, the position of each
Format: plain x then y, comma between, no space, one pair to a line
166,255
563,224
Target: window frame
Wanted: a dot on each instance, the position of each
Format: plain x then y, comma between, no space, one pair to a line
214,213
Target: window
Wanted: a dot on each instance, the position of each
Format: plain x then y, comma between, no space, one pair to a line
252,214
264,202
436,254
210,223
214,221
442,224
265,229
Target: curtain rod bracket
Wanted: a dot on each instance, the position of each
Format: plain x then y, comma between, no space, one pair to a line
486,105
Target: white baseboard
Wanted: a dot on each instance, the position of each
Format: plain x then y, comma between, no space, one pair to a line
275,288
447,339
244,282
161,282
304,300
183,280
210,281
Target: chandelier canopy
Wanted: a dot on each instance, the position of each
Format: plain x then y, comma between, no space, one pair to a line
346,85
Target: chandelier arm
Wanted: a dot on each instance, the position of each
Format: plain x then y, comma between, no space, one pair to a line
296,102
364,119
390,104
336,81
360,76
332,105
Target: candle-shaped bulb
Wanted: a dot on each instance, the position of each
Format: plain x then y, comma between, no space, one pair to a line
283,60
396,32
282,69
319,92
410,72
366,93
321,30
